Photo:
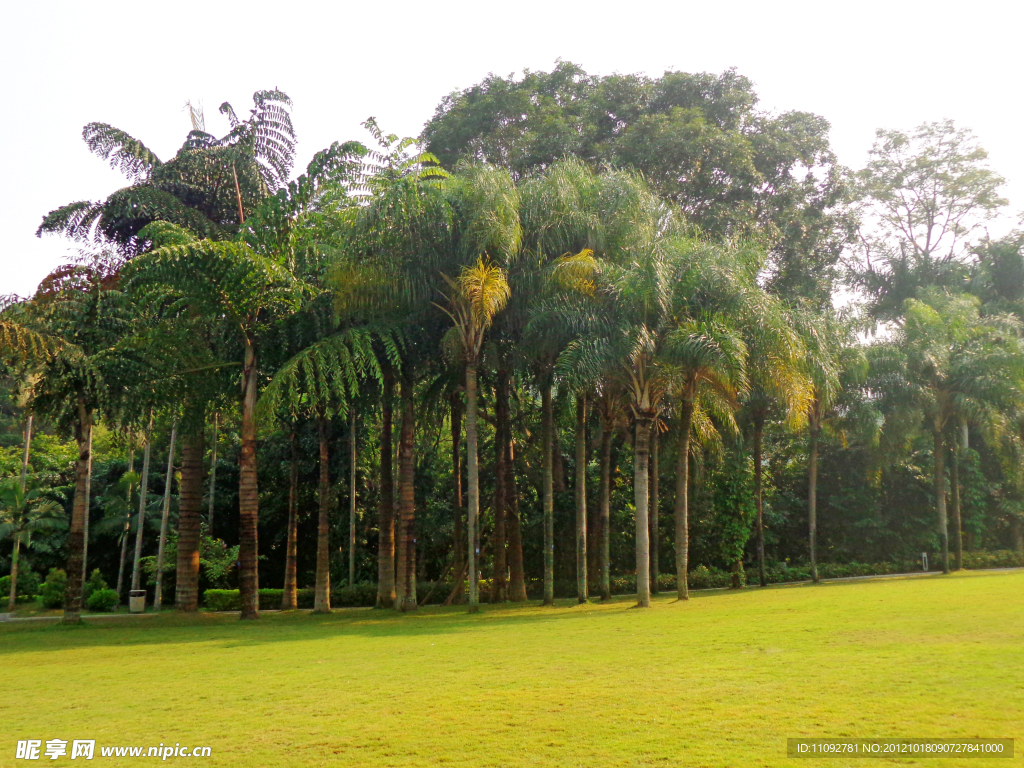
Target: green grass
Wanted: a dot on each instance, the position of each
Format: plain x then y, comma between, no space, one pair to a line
720,681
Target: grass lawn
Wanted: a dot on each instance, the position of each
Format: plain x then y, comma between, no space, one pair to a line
720,681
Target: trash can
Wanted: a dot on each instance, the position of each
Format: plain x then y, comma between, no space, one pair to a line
137,601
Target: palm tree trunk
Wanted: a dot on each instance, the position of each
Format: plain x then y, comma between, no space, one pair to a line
581,499
406,582
322,594
959,447
758,501
812,494
73,590
127,526
654,490
939,479
641,448
1018,535
289,600
248,493
158,599
190,513
604,514
547,490
682,501
88,509
352,500
472,487
517,573
25,453
386,504
14,572
140,522
459,530
213,473
499,592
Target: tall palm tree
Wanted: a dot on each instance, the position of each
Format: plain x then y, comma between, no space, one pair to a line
23,512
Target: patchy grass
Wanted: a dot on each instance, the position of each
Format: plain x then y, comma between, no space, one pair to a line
720,681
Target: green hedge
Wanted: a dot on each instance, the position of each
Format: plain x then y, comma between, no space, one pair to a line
270,599
28,586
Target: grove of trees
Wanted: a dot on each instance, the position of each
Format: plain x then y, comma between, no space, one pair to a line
585,334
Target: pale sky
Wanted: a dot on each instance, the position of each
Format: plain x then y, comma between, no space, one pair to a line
862,65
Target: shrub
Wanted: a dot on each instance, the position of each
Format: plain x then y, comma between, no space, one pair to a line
103,600
270,599
94,584
357,595
51,591
28,586
222,600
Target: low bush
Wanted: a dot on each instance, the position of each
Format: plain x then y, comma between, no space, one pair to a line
28,586
270,599
51,591
102,600
357,595
94,584
222,600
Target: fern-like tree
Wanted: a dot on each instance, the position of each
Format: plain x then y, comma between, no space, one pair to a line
23,512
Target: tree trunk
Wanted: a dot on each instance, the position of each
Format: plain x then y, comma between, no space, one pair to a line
25,453
352,500
959,447
459,529
581,499
140,522
939,480
322,593
641,447
604,515
73,590
14,572
499,592
88,510
547,489
190,512
758,501
248,493
1018,535
386,504
472,488
158,599
682,501
127,526
17,536
517,573
289,597
406,581
812,494
213,474
654,492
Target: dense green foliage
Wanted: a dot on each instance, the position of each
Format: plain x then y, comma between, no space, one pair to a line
613,284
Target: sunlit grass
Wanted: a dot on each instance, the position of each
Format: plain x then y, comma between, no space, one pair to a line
720,681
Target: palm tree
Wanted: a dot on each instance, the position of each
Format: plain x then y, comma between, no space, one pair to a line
476,296
24,511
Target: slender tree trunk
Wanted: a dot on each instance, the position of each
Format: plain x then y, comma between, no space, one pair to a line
459,530
14,572
289,597
517,573
158,596
213,474
140,522
940,495
682,501
248,493
959,448
406,586
499,592
27,450
386,504
1018,535
547,490
73,590
127,525
322,594
472,488
641,449
604,516
758,500
190,513
88,510
654,491
352,500
581,499
812,494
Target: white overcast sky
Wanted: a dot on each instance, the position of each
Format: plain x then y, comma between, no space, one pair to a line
862,65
